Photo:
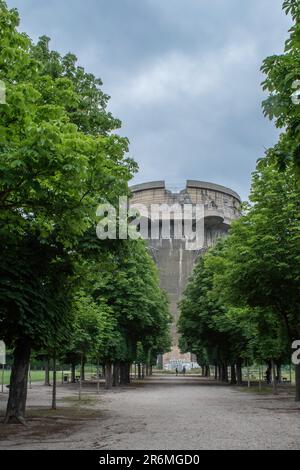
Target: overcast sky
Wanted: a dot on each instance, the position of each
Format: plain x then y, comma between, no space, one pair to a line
183,76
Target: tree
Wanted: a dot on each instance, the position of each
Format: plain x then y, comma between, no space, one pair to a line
35,300
282,82
120,289
260,264
128,283
95,334
89,111
53,174
208,328
220,330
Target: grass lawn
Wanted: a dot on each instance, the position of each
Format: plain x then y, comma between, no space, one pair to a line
36,376
39,375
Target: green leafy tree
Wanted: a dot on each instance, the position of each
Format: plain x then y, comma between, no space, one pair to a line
282,82
55,168
208,328
122,286
130,286
220,330
260,267
89,111
35,298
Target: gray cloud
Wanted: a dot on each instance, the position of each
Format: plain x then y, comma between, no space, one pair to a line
183,75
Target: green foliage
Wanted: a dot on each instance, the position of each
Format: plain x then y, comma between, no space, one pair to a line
122,291
58,161
282,71
89,110
244,296
94,331
209,329
292,7
243,299
35,292
217,329
261,258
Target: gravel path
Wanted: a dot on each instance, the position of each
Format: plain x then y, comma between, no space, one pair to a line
175,413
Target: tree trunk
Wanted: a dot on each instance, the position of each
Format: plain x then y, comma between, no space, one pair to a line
73,373
297,370
82,372
207,371
47,372
125,373
108,376
274,380
224,372
128,367
116,374
98,377
160,361
259,378
216,372
80,379
15,412
233,380
139,371
203,371
122,374
29,375
149,356
54,383
239,372
278,371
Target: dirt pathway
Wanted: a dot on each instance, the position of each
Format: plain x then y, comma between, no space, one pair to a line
162,413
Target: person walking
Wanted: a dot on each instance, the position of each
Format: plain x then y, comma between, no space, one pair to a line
183,370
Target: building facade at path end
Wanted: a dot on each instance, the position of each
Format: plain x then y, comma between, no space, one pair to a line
175,263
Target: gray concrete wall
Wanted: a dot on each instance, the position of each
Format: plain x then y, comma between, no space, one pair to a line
175,263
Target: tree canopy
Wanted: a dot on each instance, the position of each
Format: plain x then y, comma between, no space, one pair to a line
242,302
59,159
282,75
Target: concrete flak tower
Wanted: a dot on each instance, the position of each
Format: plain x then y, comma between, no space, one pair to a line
175,263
